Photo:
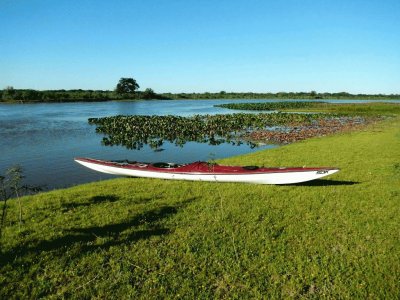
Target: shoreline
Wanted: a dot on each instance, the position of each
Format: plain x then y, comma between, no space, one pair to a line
284,136
322,128
300,133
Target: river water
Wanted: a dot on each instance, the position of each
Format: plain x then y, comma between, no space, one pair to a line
44,138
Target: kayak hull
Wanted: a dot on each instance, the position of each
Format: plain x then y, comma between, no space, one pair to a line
201,171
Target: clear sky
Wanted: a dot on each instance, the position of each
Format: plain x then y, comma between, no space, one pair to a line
202,45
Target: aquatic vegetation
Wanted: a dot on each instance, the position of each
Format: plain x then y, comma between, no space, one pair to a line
321,127
270,105
135,131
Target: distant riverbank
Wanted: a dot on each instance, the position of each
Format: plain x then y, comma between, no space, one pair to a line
10,95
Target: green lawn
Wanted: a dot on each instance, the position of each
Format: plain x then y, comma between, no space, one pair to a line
145,238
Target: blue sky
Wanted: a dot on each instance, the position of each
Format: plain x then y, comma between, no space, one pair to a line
200,46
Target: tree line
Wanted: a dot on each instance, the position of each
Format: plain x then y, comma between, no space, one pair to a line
127,88
280,95
29,95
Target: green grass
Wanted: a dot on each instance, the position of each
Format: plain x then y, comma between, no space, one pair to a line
144,238
364,109
370,109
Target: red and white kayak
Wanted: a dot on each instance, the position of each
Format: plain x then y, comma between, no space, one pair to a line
203,171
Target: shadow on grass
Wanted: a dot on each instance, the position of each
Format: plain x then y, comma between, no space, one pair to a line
113,234
323,182
93,200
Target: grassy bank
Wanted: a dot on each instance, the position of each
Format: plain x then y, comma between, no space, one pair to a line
359,109
146,238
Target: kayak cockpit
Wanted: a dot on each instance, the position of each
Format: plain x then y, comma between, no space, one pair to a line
164,165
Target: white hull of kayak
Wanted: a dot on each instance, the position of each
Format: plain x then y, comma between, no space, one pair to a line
283,177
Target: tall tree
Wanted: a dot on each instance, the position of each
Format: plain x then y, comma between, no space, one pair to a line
126,86
9,93
149,94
